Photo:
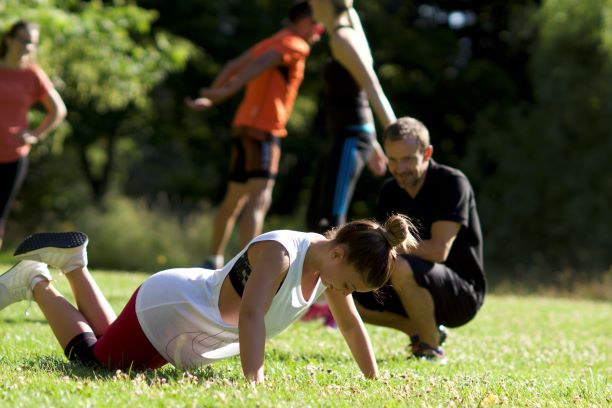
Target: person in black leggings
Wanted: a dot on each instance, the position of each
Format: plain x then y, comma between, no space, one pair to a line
12,175
351,87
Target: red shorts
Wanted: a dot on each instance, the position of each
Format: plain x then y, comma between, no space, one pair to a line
124,344
254,154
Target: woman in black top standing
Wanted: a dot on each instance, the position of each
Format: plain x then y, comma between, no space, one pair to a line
351,88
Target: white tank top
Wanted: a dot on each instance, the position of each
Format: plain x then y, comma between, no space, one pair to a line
178,309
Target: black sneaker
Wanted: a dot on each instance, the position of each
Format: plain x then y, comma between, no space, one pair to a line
426,352
415,341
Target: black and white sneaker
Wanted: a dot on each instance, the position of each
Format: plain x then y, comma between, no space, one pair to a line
66,251
426,352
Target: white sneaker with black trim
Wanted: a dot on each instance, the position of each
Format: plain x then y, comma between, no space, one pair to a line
66,251
17,283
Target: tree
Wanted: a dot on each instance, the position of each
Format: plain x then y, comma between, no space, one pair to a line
106,60
547,184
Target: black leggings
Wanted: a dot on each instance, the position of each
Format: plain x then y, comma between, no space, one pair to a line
336,178
12,176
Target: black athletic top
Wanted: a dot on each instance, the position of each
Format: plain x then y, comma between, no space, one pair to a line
446,195
346,102
240,272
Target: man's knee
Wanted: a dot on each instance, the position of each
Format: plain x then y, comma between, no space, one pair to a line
234,197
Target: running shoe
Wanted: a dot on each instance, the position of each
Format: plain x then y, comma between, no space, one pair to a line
17,283
426,352
66,251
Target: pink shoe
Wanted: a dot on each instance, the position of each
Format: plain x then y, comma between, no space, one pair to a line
314,312
330,322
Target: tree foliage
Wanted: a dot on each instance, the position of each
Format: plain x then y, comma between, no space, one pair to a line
105,59
547,183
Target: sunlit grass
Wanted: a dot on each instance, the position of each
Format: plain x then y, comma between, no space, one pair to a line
519,351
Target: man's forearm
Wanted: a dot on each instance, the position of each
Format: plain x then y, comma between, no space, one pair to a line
429,251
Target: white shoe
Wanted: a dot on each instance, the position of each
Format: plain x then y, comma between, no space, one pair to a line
66,251
17,283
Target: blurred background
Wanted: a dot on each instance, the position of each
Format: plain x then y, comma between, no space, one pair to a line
516,93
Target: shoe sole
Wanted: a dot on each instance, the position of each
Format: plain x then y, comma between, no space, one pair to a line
62,240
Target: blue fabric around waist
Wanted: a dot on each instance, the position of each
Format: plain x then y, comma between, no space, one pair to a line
364,127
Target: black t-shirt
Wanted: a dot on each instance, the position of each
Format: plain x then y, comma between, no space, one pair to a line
446,195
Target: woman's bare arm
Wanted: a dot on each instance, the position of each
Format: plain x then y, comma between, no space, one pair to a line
353,330
270,262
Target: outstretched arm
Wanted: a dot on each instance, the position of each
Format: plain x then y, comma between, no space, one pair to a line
234,77
270,262
353,330
227,73
238,81
231,68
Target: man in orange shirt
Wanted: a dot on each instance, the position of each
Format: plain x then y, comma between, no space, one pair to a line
272,71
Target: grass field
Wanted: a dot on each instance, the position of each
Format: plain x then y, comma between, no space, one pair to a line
519,351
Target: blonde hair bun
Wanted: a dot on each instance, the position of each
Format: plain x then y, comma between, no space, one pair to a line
398,230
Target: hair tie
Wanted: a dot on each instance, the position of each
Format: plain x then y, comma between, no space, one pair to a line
386,236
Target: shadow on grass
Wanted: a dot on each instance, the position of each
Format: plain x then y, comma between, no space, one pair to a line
60,367
283,357
220,374
22,321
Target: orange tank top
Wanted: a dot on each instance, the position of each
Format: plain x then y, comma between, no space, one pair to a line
269,97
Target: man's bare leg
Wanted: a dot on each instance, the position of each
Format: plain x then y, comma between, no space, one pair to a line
257,206
225,218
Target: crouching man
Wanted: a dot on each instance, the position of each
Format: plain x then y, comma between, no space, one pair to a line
441,282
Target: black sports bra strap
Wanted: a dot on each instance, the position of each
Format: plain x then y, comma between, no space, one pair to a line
240,272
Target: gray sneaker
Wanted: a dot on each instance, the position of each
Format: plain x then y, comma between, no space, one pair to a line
17,283
66,251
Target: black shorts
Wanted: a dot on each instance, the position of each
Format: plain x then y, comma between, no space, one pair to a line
456,301
254,154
